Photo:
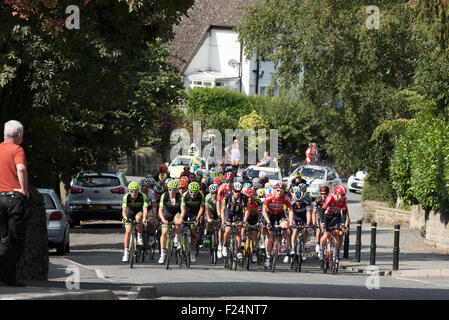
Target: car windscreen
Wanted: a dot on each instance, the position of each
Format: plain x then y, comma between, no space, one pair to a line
185,162
312,173
48,201
97,181
254,173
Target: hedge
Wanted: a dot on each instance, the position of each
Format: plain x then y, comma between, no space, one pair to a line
420,164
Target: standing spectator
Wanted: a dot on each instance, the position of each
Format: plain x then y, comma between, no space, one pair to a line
14,192
312,154
234,155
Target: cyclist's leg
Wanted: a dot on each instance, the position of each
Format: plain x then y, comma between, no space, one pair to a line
285,234
128,227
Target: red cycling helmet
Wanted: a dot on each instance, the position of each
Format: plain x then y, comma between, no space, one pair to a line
183,182
249,192
277,186
229,176
217,180
340,189
163,168
324,189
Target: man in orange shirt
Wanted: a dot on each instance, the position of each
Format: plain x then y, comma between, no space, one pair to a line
14,191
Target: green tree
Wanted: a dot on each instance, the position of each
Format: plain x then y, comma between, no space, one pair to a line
348,73
84,95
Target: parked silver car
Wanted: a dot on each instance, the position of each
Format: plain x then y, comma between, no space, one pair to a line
96,196
58,228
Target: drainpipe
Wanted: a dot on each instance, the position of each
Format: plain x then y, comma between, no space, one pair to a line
240,67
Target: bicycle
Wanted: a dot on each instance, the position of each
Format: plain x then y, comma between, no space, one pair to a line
276,248
133,246
330,254
296,259
169,244
214,242
149,241
231,260
184,250
248,249
199,235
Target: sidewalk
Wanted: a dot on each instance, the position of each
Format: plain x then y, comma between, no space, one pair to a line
416,258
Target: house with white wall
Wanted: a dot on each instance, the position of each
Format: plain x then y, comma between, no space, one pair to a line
210,54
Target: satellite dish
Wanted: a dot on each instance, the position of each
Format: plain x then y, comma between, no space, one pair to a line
233,63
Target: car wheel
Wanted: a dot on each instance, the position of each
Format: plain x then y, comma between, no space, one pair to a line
60,248
67,245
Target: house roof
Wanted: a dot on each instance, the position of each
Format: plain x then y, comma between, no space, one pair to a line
190,32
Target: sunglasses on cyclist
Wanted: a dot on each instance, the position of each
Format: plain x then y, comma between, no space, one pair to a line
172,189
193,192
229,181
133,191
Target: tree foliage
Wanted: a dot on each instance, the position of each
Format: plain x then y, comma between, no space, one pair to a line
349,74
85,94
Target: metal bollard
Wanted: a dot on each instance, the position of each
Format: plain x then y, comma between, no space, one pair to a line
397,227
372,259
358,241
346,246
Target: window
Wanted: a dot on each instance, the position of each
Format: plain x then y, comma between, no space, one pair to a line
97,181
48,201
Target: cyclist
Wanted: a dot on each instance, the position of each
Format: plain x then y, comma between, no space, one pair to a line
273,211
245,177
333,209
145,185
169,211
252,217
263,179
218,181
212,214
301,215
192,208
317,218
298,179
134,203
234,205
261,197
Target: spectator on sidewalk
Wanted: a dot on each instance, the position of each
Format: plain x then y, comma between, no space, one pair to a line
14,193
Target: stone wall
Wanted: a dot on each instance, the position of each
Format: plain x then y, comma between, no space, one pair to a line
435,225
147,161
437,230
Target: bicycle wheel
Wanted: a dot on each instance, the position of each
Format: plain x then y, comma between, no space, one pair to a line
325,261
132,249
294,258
301,252
187,239
169,247
199,237
334,264
276,247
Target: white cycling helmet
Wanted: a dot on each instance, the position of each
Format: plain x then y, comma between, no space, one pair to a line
213,188
298,196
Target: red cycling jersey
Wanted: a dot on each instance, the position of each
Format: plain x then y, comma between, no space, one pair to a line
276,206
332,206
222,192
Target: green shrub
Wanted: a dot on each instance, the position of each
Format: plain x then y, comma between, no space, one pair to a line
420,168
378,190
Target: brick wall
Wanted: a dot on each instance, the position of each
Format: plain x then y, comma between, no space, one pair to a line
437,230
384,216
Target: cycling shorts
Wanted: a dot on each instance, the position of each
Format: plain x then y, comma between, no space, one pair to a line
131,213
300,219
233,217
330,221
252,220
277,218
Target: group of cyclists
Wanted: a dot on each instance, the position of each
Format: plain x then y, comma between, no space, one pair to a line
220,200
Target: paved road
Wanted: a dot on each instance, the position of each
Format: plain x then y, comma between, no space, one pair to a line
97,247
